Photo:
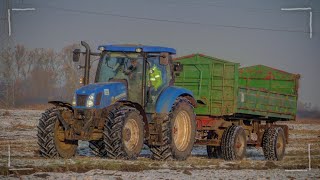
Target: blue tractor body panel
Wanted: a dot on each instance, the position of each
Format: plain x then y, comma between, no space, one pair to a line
168,97
110,92
147,49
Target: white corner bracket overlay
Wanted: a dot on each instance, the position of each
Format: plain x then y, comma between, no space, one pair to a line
9,16
303,9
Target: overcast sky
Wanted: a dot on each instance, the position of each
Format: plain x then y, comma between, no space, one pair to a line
246,31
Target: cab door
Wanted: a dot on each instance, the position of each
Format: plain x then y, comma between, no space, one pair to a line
158,78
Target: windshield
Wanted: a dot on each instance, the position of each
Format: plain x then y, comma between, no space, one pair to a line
116,65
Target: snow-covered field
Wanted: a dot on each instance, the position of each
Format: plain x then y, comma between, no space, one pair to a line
18,129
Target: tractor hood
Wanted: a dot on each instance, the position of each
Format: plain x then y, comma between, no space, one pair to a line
100,94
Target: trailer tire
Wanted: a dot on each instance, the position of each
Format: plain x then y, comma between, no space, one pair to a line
123,133
178,132
274,144
50,145
213,151
233,143
97,148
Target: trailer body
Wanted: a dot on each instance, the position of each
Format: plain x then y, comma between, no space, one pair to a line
222,88
237,107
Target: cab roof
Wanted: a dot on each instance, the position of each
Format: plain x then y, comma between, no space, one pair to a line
132,48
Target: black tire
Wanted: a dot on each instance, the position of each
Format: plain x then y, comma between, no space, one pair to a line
50,146
163,152
213,151
273,144
233,143
178,132
123,133
97,148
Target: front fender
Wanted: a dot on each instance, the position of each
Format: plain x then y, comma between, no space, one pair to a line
168,96
61,104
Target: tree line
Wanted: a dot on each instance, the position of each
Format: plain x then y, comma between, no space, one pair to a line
34,76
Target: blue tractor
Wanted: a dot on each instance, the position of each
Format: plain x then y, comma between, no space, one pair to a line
131,102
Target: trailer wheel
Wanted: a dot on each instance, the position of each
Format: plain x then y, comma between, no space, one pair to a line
178,132
97,148
123,133
233,143
274,143
213,151
50,136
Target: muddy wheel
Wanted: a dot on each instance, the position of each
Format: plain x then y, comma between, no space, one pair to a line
123,133
274,143
50,136
163,152
233,143
178,132
97,148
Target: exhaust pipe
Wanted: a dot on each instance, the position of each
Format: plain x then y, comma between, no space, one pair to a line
87,63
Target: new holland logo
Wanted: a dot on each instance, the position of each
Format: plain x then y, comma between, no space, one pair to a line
106,92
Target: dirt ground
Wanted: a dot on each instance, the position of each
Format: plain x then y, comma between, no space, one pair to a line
18,129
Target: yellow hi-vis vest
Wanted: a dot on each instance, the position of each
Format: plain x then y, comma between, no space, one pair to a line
155,77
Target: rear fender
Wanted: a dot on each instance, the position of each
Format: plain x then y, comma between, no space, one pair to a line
169,95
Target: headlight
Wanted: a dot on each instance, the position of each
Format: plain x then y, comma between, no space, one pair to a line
90,100
138,50
74,100
101,48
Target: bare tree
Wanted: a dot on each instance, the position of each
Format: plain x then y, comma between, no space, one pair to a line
33,76
71,73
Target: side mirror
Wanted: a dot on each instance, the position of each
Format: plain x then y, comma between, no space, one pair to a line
76,55
177,67
164,58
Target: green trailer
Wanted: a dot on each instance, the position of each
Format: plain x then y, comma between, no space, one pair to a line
240,106
267,92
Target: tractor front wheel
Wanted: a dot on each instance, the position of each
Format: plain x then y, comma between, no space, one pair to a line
51,136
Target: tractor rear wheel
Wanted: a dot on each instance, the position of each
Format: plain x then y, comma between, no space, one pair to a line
123,133
233,143
178,132
50,136
274,143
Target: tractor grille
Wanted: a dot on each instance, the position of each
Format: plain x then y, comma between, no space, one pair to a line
81,100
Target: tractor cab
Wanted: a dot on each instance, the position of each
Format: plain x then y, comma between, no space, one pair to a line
134,73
